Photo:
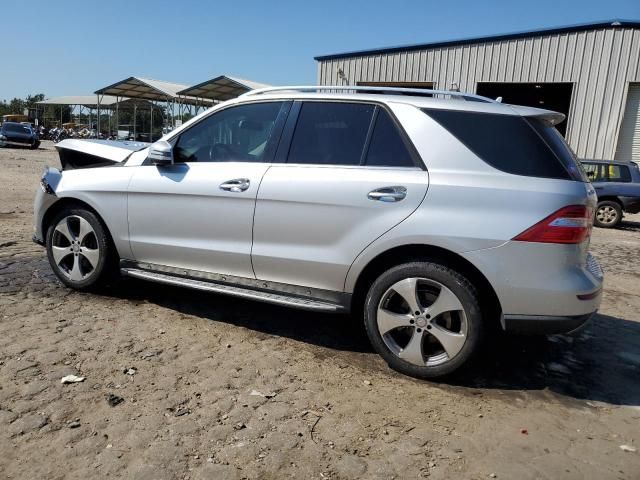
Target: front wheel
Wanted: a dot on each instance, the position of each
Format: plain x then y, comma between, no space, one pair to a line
423,319
79,249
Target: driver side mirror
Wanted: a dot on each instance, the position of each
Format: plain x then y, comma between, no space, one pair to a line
161,153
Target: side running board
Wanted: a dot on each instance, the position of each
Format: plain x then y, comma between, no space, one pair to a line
269,297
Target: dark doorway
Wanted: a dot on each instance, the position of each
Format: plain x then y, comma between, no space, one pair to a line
550,96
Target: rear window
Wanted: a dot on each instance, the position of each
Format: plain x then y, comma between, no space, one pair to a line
512,143
558,145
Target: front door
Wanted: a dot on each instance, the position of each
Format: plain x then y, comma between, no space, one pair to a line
349,175
197,214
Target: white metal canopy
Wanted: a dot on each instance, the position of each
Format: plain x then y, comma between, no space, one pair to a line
89,101
222,88
144,88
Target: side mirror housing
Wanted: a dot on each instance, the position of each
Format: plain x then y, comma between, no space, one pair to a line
161,153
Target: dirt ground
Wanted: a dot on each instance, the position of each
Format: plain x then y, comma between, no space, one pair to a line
529,408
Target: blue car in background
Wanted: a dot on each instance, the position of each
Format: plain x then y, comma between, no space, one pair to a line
13,134
617,185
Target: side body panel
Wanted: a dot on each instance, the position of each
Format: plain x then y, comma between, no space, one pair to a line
311,222
105,190
180,217
475,210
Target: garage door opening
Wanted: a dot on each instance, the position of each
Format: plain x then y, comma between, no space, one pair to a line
550,96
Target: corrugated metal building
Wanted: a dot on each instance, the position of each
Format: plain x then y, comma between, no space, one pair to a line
589,72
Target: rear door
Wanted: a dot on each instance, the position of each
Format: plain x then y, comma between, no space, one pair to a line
348,175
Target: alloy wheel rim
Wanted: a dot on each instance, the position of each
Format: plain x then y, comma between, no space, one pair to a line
607,214
422,322
74,248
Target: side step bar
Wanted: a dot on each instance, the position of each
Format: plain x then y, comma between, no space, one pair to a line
269,297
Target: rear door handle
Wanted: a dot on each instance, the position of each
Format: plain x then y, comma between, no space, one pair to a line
388,194
236,185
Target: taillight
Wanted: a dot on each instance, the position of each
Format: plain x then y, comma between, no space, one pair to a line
570,224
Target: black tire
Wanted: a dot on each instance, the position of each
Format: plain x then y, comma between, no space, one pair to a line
432,274
92,276
608,214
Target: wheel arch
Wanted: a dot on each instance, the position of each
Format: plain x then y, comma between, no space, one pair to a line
611,198
489,302
71,202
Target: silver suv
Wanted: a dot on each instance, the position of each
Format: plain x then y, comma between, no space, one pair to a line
437,216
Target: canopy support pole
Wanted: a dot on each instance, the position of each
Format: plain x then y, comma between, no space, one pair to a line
117,117
98,132
151,124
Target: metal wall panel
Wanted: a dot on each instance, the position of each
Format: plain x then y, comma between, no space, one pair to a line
600,63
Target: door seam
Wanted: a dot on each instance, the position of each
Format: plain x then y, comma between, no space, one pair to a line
253,220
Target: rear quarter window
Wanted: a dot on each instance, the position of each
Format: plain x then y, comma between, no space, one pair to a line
511,143
618,173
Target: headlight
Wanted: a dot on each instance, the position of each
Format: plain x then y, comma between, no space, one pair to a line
2,137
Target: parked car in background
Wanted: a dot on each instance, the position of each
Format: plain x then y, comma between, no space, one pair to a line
436,221
617,185
14,134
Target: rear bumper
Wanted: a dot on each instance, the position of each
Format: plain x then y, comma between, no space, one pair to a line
535,280
543,325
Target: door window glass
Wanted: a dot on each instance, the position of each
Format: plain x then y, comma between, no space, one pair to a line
236,134
330,133
594,171
618,173
387,149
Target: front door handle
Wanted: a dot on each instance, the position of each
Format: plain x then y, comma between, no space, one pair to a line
235,185
388,194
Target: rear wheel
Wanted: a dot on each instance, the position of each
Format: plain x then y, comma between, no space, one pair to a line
608,214
79,249
423,319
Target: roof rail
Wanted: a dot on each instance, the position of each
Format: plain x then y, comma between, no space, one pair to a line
425,92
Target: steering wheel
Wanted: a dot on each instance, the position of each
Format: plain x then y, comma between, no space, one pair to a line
220,151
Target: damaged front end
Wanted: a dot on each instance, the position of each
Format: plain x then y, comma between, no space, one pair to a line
75,154
45,197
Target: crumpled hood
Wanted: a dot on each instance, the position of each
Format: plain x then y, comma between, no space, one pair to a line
76,153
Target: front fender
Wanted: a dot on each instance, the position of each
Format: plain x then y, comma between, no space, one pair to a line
104,190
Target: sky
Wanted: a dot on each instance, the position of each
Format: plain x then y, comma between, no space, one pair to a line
76,47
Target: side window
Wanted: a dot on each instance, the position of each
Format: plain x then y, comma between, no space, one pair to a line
330,133
387,149
506,142
236,134
618,173
594,171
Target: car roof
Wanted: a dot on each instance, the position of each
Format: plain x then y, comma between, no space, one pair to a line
457,102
